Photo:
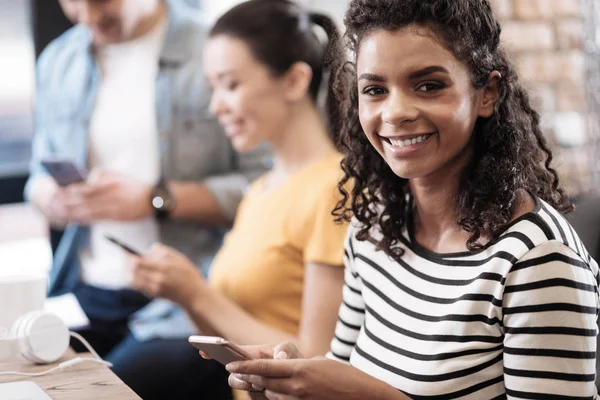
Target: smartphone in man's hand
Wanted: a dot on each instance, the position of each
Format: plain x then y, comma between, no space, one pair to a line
64,171
124,246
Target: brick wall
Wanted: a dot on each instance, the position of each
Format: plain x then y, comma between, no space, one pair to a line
545,40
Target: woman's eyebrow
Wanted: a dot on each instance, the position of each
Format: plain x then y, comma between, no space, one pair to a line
371,77
426,71
415,75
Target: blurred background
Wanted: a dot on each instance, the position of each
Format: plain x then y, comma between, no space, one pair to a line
554,43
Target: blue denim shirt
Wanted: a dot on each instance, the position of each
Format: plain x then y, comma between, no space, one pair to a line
192,147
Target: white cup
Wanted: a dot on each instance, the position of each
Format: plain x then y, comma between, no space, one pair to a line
20,294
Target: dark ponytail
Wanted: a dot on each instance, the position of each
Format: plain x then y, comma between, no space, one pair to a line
280,33
332,62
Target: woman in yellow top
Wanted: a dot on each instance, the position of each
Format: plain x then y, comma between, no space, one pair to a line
279,275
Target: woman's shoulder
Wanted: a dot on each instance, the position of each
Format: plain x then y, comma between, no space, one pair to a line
545,229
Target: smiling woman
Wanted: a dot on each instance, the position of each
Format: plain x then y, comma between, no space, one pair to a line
463,279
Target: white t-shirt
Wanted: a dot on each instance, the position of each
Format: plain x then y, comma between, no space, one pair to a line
124,139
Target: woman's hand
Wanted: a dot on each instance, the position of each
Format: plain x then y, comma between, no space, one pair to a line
287,377
164,272
286,350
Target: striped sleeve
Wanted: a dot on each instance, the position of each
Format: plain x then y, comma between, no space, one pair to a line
550,305
352,310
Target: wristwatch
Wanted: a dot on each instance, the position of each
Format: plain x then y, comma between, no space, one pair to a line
161,200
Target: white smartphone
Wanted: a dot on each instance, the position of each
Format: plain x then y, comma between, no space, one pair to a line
220,349
64,171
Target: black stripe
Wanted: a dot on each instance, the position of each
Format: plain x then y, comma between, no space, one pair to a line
450,282
549,258
547,283
358,292
345,342
543,396
349,325
462,392
522,237
500,397
578,355
542,225
434,338
355,309
351,247
350,262
438,300
436,257
431,318
578,244
557,224
549,307
428,378
559,376
427,357
490,276
533,217
550,330
473,263
340,356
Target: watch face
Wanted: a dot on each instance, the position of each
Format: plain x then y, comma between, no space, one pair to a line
161,200
158,202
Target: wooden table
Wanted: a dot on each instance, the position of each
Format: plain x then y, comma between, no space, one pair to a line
87,380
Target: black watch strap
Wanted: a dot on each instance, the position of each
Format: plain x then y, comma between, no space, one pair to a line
162,200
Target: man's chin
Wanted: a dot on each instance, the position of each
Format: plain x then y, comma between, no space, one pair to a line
104,38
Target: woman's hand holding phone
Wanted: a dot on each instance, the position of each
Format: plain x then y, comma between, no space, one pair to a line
289,376
164,272
282,351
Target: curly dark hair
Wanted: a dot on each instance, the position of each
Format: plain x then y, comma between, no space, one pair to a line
510,152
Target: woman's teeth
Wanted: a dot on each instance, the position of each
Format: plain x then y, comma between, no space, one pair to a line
408,142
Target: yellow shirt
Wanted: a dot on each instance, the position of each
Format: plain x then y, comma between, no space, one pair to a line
261,263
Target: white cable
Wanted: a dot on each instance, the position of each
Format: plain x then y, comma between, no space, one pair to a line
68,363
60,366
86,344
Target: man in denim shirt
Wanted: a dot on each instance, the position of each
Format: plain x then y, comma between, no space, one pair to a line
122,94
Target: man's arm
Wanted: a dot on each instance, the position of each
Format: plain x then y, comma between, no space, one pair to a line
41,189
215,200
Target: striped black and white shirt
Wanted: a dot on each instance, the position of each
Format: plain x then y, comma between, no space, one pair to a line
516,320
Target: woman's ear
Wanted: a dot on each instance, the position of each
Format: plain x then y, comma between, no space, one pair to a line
297,81
490,95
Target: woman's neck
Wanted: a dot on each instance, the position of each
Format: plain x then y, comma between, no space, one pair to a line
436,201
303,140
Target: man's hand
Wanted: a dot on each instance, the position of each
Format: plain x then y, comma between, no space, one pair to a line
49,198
107,196
166,273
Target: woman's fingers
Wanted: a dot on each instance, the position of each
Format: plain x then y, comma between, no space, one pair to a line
238,384
264,367
286,351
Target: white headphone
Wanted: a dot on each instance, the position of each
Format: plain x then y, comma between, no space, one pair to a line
38,336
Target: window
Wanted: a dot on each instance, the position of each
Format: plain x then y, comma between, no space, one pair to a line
16,88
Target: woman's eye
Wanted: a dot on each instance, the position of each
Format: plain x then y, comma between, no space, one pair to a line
373,91
232,85
430,87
